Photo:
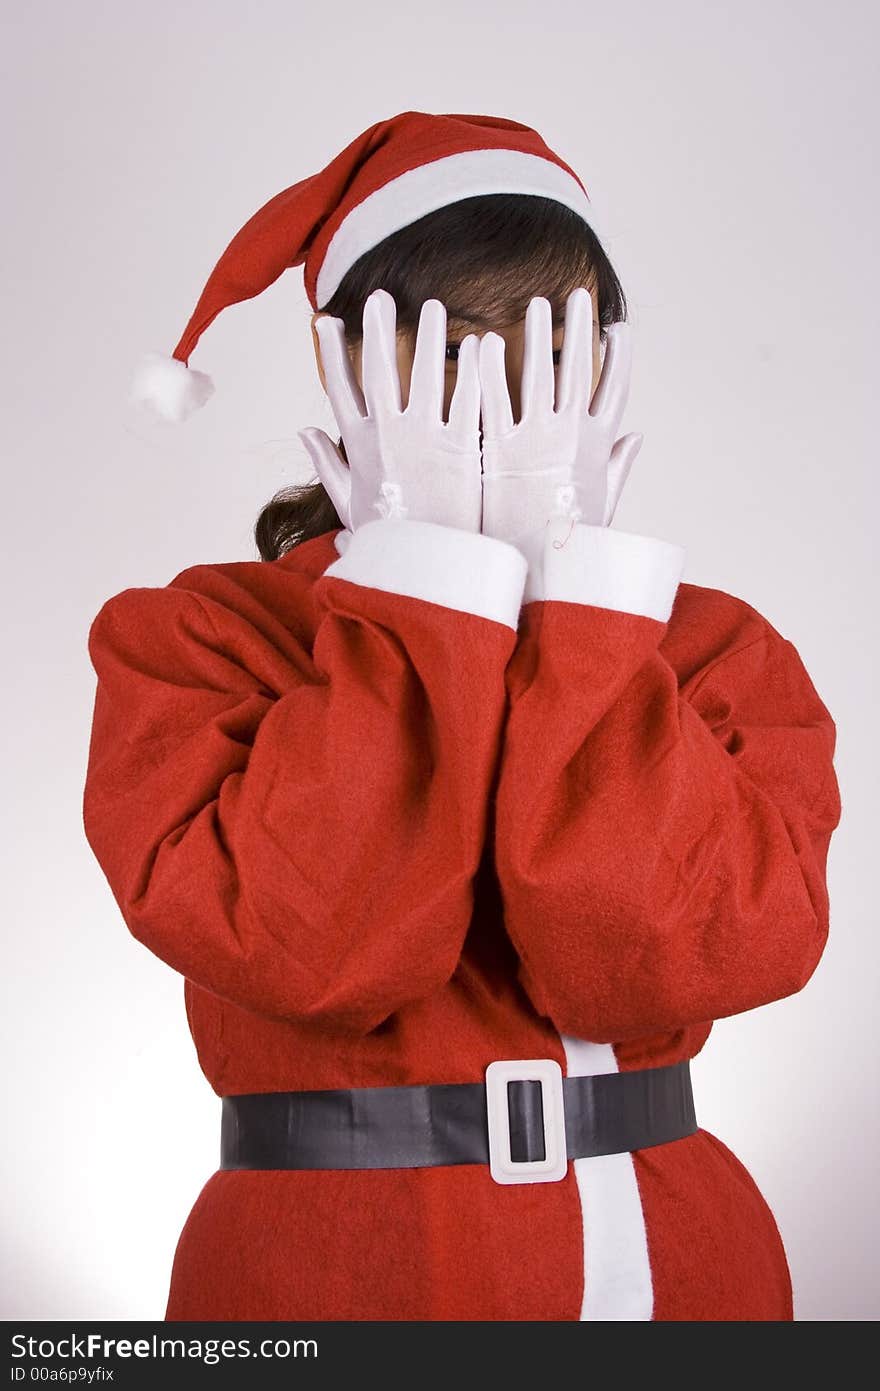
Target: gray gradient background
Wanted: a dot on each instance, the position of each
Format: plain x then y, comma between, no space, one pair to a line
730,153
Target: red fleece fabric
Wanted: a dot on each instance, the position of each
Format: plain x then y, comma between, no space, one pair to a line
386,842
680,801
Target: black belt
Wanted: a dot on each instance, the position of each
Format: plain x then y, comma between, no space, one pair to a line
526,1121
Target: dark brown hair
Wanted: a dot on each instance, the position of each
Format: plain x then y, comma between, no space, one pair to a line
487,255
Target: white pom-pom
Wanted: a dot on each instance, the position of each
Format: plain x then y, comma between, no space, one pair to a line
170,388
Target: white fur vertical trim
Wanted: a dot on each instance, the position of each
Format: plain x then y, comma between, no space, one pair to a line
617,1267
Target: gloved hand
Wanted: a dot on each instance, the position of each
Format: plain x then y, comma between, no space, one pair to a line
559,459
402,463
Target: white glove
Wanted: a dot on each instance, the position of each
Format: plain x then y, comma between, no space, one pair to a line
562,460
402,463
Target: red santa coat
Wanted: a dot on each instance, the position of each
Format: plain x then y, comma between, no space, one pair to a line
390,824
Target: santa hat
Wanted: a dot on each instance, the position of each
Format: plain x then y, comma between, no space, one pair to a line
394,173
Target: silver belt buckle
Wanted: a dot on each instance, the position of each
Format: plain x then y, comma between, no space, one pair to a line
554,1165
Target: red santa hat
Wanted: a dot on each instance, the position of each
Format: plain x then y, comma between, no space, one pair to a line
394,173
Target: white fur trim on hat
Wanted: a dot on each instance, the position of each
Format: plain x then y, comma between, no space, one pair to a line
168,387
427,187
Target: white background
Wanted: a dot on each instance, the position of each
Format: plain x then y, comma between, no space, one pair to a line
730,152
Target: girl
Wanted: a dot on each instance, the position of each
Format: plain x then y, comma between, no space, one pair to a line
460,814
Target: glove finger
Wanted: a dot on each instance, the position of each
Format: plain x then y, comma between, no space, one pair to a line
538,374
381,378
464,408
331,469
345,395
613,388
427,383
576,363
620,462
495,400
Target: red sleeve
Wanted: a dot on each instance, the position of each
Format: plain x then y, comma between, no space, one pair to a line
661,854
298,830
